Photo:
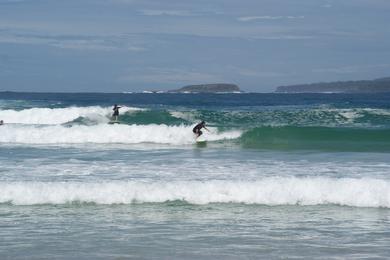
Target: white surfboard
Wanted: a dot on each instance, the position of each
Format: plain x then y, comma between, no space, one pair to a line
201,139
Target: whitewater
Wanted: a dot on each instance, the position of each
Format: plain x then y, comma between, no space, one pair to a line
271,191
261,129
278,172
125,134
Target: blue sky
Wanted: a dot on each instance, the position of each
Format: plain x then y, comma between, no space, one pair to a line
134,45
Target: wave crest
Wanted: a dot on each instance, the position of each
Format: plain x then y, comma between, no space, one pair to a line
268,191
104,133
58,115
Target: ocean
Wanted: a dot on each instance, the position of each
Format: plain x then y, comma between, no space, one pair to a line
281,176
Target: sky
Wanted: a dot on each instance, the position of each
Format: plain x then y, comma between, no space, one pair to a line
136,45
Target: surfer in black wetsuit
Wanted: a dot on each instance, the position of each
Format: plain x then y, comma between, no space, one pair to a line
116,112
198,127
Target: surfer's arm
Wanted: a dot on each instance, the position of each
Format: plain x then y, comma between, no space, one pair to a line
206,128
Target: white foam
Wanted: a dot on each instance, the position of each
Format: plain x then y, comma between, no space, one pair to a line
351,114
342,116
58,115
104,133
188,116
268,191
377,111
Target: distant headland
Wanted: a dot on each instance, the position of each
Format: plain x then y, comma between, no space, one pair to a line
360,86
208,88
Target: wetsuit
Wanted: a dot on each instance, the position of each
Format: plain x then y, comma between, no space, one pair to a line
116,111
197,129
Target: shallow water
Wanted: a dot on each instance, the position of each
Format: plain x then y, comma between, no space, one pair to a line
192,231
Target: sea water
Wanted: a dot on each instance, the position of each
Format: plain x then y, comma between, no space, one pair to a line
281,176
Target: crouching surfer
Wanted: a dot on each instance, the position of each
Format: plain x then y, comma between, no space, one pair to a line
198,127
115,115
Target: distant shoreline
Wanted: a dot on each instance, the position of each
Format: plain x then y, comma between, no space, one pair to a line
381,85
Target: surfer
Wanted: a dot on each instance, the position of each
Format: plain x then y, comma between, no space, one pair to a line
1,122
116,112
198,127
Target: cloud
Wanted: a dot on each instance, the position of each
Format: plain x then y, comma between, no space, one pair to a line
168,75
267,17
4,64
83,45
259,73
123,1
284,37
166,13
11,1
71,42
350,69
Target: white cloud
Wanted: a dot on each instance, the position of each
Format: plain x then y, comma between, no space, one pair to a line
135,48
11,1
283,37
66,43
123,1
169,75
259,73
82,45
339,70
252,18
350,69
166,12
267,17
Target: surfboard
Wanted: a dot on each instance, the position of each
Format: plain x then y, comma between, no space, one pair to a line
201,144
201,140
114,122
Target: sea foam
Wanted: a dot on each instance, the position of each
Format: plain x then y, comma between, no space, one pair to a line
268,191
104,133
58,115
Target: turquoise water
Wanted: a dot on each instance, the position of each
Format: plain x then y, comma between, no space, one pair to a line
281,176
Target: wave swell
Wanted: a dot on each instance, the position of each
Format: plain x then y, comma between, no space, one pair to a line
322,138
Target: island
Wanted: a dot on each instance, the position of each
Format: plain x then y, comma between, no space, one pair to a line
360,86
208,88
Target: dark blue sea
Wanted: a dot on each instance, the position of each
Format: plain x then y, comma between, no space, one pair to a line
277,176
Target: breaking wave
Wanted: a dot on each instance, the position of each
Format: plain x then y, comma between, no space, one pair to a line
58,115
104,133
355,129
269,191
265,117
